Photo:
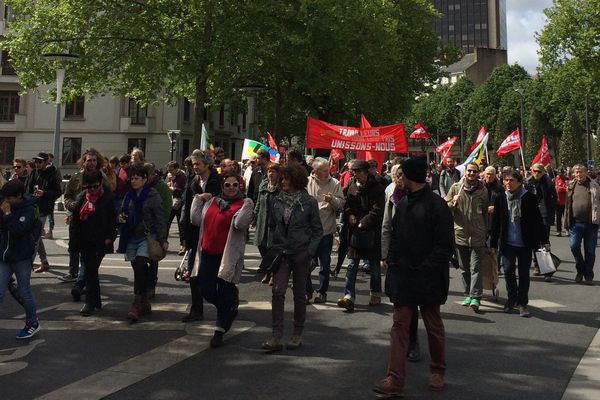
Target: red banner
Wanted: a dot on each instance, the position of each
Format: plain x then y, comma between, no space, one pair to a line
443,150
322,135
511,143
419,132
543,154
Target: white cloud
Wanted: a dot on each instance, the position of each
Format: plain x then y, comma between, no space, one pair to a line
523,19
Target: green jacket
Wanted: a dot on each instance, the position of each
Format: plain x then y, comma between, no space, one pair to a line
470,214
165,194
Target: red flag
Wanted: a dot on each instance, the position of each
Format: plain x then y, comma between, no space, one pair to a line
337,154
419,132
543,154
272,143
369,155
511,143
480,137
443,150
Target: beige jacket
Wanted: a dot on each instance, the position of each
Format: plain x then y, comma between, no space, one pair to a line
470,214
594,190
327,210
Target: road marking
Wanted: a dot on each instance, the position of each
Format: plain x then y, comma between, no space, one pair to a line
143,366
584,382
7,363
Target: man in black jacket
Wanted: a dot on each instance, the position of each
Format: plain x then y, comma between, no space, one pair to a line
421,246
44,185
518,228
259,173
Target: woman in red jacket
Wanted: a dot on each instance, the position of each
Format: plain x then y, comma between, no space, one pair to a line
560,184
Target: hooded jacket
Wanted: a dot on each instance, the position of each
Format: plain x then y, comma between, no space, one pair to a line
470,214
17,242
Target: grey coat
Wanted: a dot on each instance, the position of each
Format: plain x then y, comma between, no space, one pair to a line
261,209
232,261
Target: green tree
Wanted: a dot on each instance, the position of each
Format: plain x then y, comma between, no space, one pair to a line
535,130
572,140
502,126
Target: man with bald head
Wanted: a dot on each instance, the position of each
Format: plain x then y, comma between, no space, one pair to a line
493,186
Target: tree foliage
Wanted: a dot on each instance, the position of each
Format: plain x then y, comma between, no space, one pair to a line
572,141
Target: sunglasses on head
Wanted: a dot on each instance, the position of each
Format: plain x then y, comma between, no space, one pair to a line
230,185
96,186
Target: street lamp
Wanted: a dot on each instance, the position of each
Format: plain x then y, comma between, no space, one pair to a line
587,132
61,58
173,135
462,144
521,91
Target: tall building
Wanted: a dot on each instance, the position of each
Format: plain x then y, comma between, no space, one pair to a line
472,23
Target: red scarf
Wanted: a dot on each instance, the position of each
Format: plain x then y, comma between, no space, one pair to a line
89,207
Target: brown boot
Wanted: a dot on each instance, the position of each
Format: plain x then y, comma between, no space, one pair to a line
146,307
136,307
44,266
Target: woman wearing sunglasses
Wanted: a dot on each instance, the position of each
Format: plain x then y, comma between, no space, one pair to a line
92,231
220,252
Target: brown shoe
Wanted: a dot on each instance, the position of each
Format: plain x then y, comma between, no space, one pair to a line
308,298
272,345
195,314
134,313
346,303
536,270
48,235
181,251
320,298
436,383
388,388
146,307
44,267
374,301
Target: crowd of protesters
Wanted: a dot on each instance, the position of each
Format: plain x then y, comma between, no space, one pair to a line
406,219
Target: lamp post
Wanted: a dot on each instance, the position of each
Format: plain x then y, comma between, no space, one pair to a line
173,135
521,91
462,144
587,132
61,58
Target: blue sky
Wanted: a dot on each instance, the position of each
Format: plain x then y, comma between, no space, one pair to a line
523,19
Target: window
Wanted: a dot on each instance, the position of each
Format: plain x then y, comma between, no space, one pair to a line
7,150
244,120
186,110
222,117
7,68
451,28
9,105
185,148
71,151
137,113
136,143
74,108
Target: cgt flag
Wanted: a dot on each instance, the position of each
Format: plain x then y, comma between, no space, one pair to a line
511,143
443,150
543,154
480,137
419,132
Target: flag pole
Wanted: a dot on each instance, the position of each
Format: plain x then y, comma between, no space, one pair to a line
522,158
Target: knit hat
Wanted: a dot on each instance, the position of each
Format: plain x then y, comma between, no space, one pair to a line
415,169
360,165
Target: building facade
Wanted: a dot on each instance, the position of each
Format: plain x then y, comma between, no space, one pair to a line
112,124
472,23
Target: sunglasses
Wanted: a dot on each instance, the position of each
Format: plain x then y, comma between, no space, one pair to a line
536,171
230,185
96,186
17,167
474,171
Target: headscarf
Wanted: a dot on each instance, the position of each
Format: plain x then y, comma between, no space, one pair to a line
514,203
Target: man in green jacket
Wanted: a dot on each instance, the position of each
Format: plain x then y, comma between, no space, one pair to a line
468,200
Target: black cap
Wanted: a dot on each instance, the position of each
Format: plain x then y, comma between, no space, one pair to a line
42,156
415,169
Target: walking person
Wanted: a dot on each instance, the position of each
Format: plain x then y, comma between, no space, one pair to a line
17,247
448,177
582,217
365,201
141,213
296,226
92,232
223,222
176,181
560,184
468,200
422,242
259,174
20,170
394,193
44,184
269,189
517,230
330,198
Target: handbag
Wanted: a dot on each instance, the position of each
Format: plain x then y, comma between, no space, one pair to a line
271,261
155,250
362,239
177,203
544,259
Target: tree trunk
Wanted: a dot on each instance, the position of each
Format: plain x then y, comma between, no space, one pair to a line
200,100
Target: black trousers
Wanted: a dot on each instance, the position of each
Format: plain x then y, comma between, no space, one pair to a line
92,260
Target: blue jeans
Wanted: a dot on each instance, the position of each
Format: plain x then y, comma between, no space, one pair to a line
350,290
513,258
324,256
589,234
22,270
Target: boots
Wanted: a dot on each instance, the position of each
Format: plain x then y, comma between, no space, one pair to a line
140,307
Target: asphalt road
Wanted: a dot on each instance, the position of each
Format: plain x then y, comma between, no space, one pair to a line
490,354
